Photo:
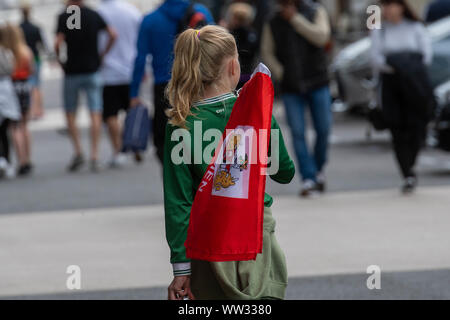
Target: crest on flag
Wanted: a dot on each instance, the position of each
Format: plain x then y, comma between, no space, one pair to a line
232,170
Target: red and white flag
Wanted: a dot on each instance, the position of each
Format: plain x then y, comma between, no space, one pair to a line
226,221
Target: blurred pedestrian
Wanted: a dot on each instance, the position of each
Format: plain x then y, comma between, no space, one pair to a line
117,67
23,69
400,51
156,38
205,74
35,41
9,105
437,9
238,20
82,74
293,46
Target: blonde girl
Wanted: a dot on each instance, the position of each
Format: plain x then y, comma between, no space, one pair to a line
205,74
23,69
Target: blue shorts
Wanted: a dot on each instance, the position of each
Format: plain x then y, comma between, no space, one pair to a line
91,84
35,79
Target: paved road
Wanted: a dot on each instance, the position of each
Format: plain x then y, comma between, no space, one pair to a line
329,244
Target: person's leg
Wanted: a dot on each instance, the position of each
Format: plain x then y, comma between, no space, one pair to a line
111,99
4,140
19,142
160,119
400,142
93,88
27,137
416,138
114,133
71,90
37,110
320,106
295,114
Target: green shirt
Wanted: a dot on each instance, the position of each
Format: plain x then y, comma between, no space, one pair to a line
182,180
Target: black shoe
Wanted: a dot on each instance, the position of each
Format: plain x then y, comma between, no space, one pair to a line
410,185
76,164
25,170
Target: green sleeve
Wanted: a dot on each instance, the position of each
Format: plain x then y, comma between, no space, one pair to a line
286,170
178,198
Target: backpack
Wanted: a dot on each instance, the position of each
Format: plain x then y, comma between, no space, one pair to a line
191,19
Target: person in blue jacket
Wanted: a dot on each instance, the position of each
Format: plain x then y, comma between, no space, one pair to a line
156,37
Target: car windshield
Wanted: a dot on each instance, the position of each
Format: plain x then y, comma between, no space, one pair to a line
440,68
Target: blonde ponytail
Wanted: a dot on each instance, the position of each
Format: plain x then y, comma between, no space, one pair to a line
199,55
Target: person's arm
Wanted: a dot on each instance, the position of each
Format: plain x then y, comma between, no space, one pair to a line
317,32
178,199
110,32
112,37
268,53
59,40
425,44
286,169
143,50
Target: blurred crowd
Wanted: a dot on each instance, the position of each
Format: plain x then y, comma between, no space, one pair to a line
106,59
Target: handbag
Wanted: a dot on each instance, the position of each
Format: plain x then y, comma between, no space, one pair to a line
137,130
376,119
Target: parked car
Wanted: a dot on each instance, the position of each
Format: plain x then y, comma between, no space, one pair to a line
352,72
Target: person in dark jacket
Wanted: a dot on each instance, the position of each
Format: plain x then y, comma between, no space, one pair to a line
34,39
156,38
293,46
400,51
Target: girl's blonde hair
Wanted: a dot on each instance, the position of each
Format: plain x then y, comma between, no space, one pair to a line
199,57
15,40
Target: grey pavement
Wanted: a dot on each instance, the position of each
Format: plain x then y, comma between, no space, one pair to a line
329,243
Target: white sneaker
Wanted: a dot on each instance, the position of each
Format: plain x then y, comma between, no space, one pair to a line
10,172
3,167
309,188
118,161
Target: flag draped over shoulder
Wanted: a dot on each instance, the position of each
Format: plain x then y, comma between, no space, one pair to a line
226,221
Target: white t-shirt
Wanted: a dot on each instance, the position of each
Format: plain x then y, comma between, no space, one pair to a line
404,36
125,19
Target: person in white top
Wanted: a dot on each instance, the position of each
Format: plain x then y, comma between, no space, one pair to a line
117,66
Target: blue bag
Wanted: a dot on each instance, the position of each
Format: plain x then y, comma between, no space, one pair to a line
137,130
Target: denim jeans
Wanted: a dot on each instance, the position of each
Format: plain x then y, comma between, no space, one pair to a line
319,102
